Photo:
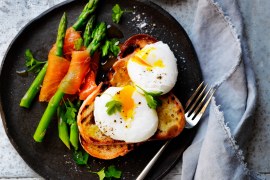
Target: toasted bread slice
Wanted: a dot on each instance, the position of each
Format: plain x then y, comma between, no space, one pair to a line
170,114
89,131
85,121
120,76
87,128
106,152
171,117
137,41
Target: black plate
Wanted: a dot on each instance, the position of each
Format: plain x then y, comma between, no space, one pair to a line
51,159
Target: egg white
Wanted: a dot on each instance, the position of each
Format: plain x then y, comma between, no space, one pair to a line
141,127
156,79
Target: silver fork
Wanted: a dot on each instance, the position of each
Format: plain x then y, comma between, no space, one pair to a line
194,110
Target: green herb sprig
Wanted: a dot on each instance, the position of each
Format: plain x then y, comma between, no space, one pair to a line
111,46
32,64
71,113
80,157
67,117
151,98
111,172
113,106
117,13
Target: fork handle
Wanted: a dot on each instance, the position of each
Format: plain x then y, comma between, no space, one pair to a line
152,162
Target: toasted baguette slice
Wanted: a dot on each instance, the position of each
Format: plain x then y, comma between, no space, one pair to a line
170,113
89,131
171,118
86,124
106,152
120,76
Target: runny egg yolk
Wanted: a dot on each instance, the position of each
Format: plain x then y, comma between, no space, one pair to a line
158,63
141,58
141,61
128,105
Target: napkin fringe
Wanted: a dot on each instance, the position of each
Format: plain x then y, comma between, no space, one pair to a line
236,36
220,115
233,142
227,131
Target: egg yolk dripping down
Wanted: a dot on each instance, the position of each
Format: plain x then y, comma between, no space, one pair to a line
141,57
125,97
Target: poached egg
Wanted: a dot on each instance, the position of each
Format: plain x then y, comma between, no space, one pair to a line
132,121
153,68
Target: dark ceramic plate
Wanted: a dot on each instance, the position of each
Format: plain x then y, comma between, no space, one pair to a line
51,159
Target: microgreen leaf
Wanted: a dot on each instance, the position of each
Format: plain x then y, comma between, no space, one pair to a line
151,98
31,63
112,172
154,93
113,106
114,47
71,112
111,46
70,115
151,102
101,174
117,13
80,157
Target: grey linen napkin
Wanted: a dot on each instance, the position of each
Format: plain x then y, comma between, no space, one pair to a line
218,38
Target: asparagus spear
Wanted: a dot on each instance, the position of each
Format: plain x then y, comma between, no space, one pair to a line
88,29
74,136
74,131
61,36
35,86
88,9
105,48
100,33
62,126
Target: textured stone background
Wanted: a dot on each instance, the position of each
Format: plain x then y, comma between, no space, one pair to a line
15,14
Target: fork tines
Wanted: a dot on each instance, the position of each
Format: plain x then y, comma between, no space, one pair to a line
197,104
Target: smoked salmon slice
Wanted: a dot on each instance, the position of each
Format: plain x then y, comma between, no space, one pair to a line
89,84
57,69
79,67
70,38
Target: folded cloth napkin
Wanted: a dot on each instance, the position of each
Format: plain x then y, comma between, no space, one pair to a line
215,152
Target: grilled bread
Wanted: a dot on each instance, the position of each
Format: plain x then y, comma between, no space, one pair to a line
170,113
171,118
106,152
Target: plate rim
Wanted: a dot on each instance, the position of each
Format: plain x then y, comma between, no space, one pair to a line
37,18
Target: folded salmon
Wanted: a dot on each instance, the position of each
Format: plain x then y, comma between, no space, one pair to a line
57,69
69,44
90,80
58,66
79,66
